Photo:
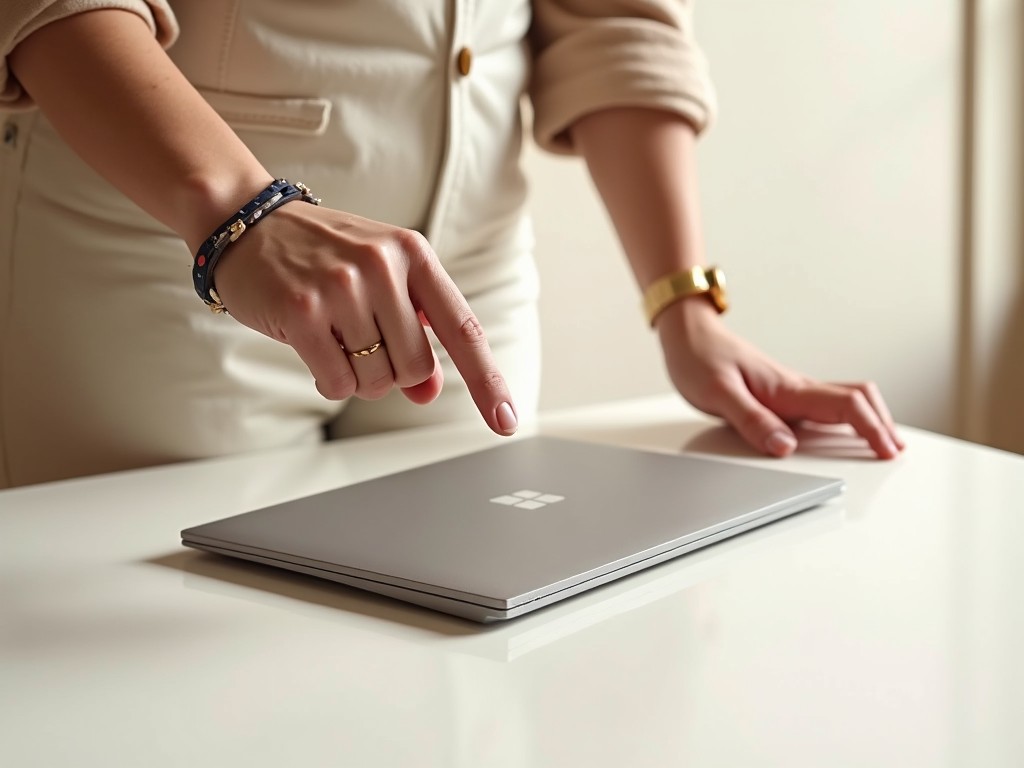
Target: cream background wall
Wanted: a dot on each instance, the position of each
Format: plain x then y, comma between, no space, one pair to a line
832,194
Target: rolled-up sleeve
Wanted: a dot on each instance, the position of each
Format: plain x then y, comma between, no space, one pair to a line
592,55
20,18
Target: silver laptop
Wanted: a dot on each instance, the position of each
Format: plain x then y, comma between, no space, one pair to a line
504,531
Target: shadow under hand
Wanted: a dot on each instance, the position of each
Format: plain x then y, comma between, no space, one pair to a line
718,439
820,440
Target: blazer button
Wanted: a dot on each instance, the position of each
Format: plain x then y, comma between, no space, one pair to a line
11,134
464,61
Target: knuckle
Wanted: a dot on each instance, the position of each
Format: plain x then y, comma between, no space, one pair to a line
798,384
343,276
340,387
377,387
471,332
870,388
377,258
417,368
420,255
861,415
301,306
856,402
412,242
493,383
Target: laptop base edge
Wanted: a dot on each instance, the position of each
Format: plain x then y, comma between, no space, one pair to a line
488,614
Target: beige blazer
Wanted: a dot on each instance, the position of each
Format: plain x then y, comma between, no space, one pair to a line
398,110
421,96
587,55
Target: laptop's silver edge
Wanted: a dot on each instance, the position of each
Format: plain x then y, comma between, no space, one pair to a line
661,557
320,568
735,525
482,609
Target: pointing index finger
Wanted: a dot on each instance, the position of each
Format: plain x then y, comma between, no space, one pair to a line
460,332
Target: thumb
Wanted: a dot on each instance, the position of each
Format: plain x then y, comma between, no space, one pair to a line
758,425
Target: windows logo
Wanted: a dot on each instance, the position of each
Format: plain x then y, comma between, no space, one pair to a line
527,499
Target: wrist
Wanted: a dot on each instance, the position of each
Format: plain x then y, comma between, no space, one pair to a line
279,192
703,282
685,319
206,200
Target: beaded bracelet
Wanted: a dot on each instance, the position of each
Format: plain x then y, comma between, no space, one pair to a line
271,198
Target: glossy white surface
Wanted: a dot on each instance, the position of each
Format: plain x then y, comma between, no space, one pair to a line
883,630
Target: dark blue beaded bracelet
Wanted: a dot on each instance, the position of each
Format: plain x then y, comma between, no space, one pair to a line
274,196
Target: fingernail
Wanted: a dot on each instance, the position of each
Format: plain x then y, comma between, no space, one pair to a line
507,419
891,448
780,443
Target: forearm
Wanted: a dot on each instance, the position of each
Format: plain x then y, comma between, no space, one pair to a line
643,165
125,108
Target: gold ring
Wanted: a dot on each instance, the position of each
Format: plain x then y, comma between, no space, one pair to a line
368,350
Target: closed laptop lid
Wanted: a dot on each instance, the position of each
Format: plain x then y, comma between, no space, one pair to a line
508,525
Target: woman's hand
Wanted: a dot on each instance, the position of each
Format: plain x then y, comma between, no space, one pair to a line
314,278
724,376
331,284
642,161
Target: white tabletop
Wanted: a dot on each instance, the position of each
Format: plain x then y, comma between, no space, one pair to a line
883,630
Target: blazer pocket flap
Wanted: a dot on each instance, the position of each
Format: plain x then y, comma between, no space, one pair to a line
305,116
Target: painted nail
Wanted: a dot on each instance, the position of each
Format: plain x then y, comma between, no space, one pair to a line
507,419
